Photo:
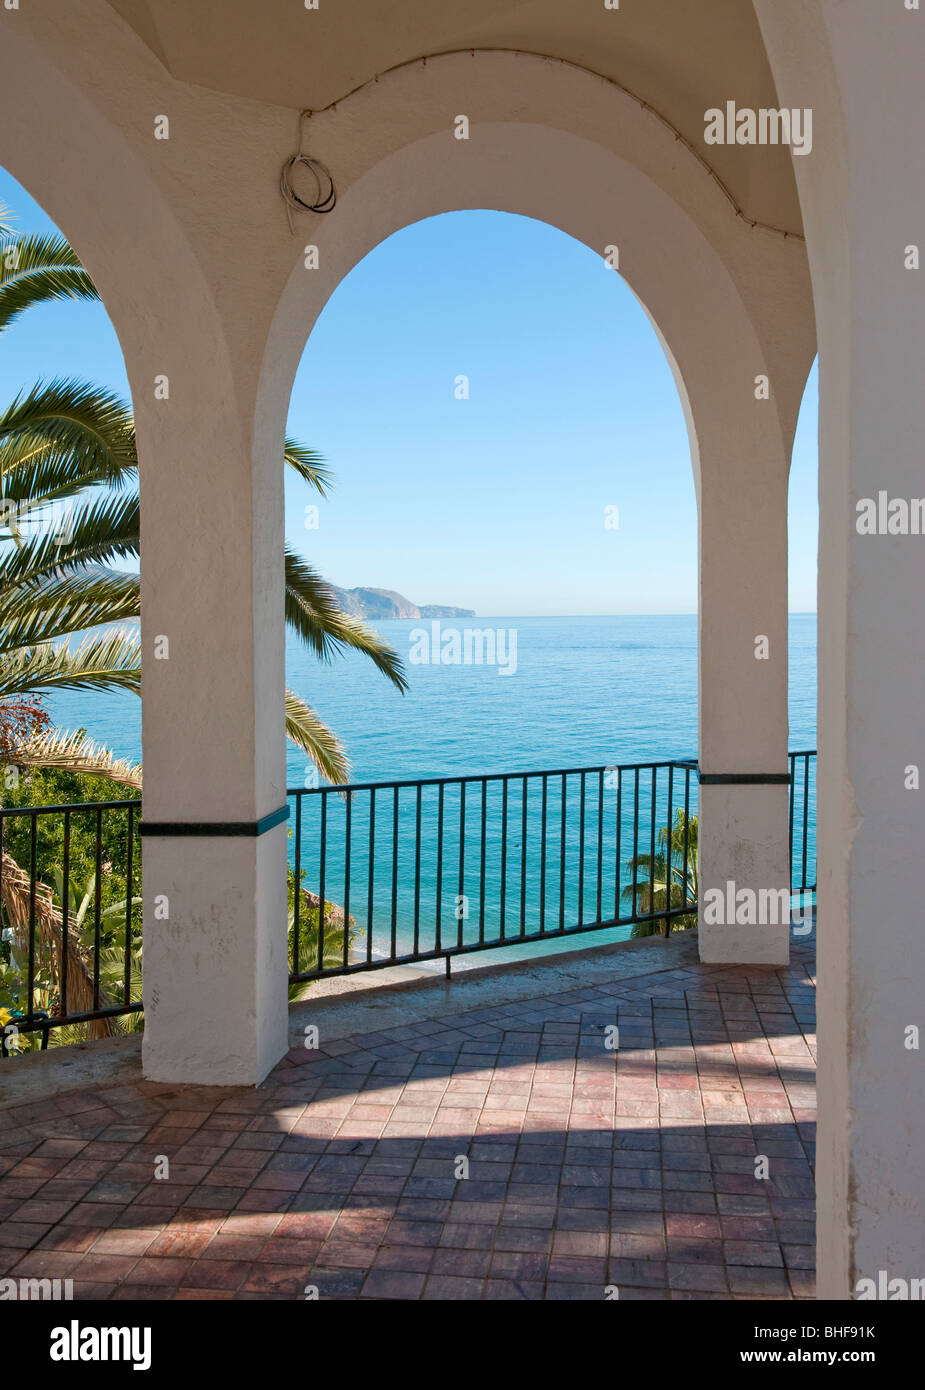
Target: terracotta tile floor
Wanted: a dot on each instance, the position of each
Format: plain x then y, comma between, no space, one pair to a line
588,1167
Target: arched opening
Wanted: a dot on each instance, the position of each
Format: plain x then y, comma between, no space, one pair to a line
507,441
802,553
70,656
558,486
803,547
59,339
715,333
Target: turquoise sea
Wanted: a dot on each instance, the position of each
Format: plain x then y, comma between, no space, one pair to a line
586,692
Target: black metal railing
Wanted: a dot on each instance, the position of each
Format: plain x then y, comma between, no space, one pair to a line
380,873
417,871
413,871
803,823
70,920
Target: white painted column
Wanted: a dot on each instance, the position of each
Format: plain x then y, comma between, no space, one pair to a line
863,193
214,851
191,295
743,813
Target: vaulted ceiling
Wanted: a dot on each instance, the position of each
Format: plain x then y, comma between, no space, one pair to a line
680,56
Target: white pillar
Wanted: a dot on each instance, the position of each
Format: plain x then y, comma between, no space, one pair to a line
214,846
743,800
863,195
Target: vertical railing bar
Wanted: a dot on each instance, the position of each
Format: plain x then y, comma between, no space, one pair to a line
394,940
33,858
129,865
805,816
323,836
297,873
635,838
439,932
562,853
98,901
371,875
461,890
668,851
581,854
523,861
482,853
543,857
417,872
504,786
600,844
793,793
65,909
815,769
687,832
348,831
97,909
619,866
652,843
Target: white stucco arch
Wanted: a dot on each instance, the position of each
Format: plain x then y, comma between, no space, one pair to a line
82,167
96,182
709,305
551,141
191,246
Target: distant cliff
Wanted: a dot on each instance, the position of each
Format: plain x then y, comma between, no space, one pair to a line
386,603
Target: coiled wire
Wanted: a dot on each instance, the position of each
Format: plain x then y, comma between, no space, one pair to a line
326,198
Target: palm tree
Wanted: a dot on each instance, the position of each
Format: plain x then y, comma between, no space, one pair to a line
68,444
314,949
652,888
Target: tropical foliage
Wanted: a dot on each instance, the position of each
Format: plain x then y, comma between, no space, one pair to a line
654,889
70,515
70,988
310,943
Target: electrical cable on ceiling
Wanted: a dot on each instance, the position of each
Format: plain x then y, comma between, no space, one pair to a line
326,197
292,201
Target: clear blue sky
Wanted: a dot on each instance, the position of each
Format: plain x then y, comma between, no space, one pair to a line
497,502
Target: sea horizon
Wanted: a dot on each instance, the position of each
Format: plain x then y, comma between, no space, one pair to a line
587,691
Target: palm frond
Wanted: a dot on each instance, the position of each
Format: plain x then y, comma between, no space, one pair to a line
53,607
37,269
312,612
109,661
310,733
98,530
77,753
36,474
308,464
74,417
